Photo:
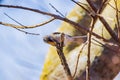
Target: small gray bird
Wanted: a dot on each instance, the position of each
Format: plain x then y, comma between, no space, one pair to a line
55,37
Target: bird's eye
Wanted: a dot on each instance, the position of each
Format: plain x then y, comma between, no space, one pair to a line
48,39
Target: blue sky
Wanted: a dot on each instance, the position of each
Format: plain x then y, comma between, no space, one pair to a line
22,56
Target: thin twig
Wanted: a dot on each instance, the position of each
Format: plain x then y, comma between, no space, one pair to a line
90,12
117,19
27,32
89,47
56,10
103,5
81,6
113,7
107,26
78,26
14,20
27,27
21,25
83,3
105,44
78,59
90,2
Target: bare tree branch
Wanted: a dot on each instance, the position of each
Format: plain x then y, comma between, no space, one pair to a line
27,27
107,26
27,32
78,59
89,48
117,19
59,47
83,29
56,10
81,6
103,5
21,25
90,2
113,7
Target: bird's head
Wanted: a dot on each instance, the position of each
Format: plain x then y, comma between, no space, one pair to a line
53,38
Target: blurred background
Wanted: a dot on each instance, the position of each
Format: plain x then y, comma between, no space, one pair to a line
22,55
